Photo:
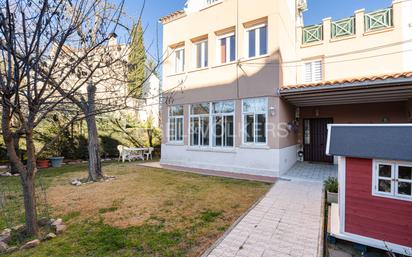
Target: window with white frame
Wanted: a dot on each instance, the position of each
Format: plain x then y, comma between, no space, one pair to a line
179,61
176,123
254,112
199,124
226,48
312,72
209,2
223,114
257,41
392,179
201,54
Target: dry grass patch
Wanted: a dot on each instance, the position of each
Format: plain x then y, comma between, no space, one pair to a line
190,211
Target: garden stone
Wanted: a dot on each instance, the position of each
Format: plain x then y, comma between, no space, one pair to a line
49,236
12,249
60,229
43,222
5,237
57,222
30,244
3,247
18,227
6,174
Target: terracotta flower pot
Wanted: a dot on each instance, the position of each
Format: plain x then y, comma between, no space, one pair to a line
42,164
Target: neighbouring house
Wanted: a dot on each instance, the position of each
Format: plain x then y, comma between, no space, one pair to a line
151,103
375,185
112,86
249,88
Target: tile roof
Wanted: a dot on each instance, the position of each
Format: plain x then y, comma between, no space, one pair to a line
350,80
172,16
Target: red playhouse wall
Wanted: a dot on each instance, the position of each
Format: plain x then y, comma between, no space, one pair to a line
375,217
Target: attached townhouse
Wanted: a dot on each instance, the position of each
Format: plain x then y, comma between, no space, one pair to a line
249,89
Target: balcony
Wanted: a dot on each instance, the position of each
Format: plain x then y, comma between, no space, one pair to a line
373,21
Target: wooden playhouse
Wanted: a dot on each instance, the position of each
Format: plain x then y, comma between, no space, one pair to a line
375,185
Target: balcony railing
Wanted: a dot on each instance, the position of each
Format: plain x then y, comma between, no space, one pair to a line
378,20
344,27
312,34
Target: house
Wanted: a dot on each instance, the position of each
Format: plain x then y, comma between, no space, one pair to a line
249,88
375,181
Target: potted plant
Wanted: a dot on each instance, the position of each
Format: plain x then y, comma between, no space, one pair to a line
42,162
331,187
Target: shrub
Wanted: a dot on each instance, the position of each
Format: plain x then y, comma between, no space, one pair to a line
331,185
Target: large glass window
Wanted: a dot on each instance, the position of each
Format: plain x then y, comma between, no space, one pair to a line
199,124
393,179
257,38
176,123
223,123
201,50
179,60
254,120
227,48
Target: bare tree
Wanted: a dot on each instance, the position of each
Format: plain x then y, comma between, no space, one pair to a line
34,36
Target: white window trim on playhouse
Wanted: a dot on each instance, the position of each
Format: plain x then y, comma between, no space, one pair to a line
394,179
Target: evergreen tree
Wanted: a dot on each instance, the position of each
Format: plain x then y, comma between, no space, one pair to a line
137,61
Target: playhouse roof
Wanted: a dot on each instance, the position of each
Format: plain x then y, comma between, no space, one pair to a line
374,141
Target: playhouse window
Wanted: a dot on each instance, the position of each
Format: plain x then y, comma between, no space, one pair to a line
393,179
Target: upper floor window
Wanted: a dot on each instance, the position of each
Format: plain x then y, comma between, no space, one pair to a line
201,52
176,123
226,48
312,72
199,124
254,120
257,41
208,2
392,179
179,60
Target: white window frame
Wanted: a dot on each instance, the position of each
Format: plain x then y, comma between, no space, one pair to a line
257,40
190,126
204,44
211,2
175,117
394,179
255,124
213,115
313,76
176,70
228,49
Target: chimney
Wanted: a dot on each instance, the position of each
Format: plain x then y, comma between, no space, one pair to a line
112,39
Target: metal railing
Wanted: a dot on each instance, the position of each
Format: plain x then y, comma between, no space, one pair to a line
343,27
379,19
312,34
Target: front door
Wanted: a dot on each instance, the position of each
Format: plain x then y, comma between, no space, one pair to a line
314,141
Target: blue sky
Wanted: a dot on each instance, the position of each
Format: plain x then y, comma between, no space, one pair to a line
318,9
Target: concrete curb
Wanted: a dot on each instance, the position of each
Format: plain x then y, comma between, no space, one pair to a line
322,226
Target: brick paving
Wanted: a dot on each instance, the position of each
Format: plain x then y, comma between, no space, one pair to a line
287,222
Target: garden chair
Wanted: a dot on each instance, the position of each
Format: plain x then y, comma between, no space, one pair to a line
120,148
149,153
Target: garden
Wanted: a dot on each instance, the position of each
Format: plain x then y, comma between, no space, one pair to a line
143,212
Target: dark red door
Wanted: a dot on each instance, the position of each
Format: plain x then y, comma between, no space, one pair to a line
314,140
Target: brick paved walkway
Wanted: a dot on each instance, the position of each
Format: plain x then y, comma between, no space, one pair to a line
287,222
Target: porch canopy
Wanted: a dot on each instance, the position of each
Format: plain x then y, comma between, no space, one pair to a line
375,89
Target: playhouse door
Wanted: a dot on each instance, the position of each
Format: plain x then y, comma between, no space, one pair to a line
315,137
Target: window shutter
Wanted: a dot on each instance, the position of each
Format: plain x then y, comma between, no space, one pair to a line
307,74
317,71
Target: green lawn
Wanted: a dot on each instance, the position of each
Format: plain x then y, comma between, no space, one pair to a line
144,212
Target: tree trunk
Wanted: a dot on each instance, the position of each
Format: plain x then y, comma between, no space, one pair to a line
16,142
27,173
95,164
29,193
